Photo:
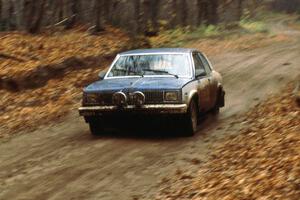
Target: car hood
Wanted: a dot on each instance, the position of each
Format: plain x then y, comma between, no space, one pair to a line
142,83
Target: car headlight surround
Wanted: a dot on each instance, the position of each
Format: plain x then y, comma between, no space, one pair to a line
91,98
171,96
119,99
139,98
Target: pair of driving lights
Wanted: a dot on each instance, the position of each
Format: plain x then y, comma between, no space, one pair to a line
138,98
120,98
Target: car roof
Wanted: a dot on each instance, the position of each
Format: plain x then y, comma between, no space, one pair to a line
158,50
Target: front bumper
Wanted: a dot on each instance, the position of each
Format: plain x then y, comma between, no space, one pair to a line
146,109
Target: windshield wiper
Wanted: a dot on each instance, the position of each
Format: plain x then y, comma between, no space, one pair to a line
161,71
127,72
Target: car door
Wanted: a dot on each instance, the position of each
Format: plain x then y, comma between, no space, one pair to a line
202,83
213,82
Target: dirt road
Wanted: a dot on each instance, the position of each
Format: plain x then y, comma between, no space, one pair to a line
65,162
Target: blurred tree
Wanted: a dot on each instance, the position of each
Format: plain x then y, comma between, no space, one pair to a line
145,15
155,9
289,6
107,10
0,12
36,15
253,7
60,4
240,9
18,11
200,11
114,7
184,13
10,16
137,14
173,14
98,16
204,15
213,12
31,15
150,17
74,14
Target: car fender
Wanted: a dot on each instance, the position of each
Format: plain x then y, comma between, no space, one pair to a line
218,76
189,91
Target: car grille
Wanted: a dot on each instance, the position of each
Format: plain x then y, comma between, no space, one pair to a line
105,99
154,97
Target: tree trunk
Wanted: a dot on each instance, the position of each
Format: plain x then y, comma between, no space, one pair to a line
57,11
38,15
106,9
0,13
11,10
146,16
240,9
112,15
200,11
73,17
184,12
98,16
137,16
19,6
154,16
213,12
27,15
205,7
173,14
254,5
150,17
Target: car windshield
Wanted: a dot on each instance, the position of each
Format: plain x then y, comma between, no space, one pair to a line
144,65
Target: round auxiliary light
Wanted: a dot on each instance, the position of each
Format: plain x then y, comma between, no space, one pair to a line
139,98
119,99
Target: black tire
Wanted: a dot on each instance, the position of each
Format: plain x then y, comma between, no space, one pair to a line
95,128
219,102
191,120
216,109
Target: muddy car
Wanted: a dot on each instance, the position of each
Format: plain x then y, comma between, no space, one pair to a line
175,82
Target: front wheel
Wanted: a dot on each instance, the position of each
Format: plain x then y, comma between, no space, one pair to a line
220,102
216,109
191,120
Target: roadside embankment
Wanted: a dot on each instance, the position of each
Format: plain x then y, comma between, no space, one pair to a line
262,161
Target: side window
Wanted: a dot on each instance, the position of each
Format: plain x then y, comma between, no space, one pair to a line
205,63
199,67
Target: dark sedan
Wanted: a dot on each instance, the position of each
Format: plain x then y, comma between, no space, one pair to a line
177,82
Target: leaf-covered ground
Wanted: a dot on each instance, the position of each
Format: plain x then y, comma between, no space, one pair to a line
33,107
31,51
260,162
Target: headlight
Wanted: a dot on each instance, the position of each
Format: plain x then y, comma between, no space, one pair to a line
171,96
90,98
119,99
138,98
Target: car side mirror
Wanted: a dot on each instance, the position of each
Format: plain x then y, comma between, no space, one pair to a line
102,75
200,73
